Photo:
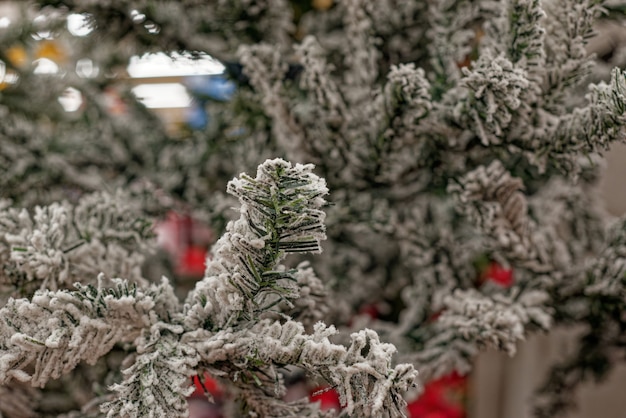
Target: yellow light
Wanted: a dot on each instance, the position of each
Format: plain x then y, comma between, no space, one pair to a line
322,4
17,55
50,50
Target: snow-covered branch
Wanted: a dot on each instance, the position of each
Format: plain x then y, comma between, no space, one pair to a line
61,244
55,331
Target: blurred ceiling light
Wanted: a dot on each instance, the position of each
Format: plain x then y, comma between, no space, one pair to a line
45,66
137,16
11,78
85,68
71,100
163,95
44,34
4,22
152,28
162,65
6,77
79,24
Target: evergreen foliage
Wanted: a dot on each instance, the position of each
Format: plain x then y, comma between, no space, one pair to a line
230,325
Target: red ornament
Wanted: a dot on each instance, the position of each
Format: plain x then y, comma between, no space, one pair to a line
328,398
193,262
498,274
187,243
369,310
442,398
207,384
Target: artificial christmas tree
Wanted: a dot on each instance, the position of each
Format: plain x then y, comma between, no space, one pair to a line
457,138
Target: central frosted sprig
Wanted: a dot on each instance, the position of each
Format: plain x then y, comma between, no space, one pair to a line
280,213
